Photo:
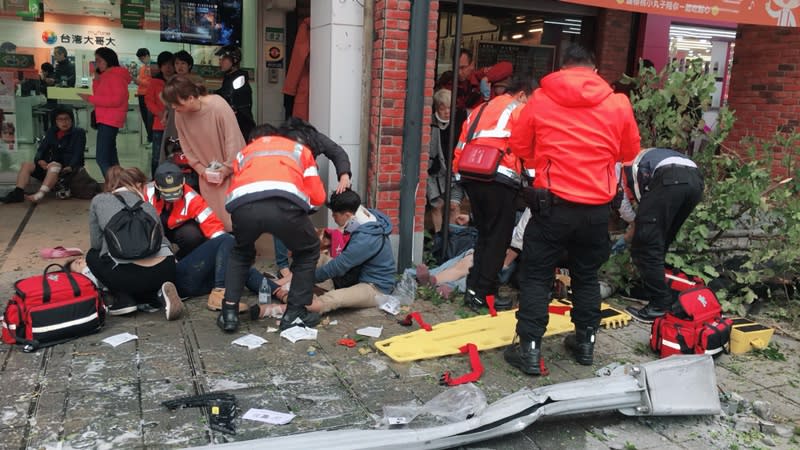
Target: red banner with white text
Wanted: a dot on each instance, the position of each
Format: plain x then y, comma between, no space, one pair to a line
783,13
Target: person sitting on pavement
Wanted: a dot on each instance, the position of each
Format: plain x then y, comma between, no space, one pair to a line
59,154
145,282
451,275
203,244
365,268
667,186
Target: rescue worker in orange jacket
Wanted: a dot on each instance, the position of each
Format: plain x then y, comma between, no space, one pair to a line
275,187
572,132
189,220
492,200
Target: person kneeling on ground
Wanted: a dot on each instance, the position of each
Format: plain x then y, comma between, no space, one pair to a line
59,154
204,246
365,268
274,187
146,281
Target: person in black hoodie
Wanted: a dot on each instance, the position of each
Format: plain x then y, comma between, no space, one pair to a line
59,154
236,88
65,70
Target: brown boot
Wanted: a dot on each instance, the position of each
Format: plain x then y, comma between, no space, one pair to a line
215,301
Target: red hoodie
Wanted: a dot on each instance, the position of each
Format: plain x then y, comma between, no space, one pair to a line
110,96
572,132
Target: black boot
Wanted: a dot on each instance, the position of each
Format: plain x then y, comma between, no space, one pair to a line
581,344
527,357
299,315
15,196
503,303
228,319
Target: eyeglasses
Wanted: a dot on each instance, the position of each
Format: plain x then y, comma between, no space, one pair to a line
63,119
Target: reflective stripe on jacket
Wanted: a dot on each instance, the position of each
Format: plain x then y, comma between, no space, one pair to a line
190,207
274,166
494,129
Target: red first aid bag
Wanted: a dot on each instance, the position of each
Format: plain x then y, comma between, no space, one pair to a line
695,326
52,308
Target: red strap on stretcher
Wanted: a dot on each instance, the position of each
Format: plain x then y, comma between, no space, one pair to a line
474,362
559,309
490,304
416,317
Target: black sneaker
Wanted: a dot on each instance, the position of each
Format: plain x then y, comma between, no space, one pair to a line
647,314
299,316
147,308
123,304
168,296
15,196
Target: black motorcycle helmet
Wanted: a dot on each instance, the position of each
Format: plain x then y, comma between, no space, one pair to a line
230,51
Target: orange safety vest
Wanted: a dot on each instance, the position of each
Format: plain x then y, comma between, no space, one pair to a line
274,166
190,207
494,129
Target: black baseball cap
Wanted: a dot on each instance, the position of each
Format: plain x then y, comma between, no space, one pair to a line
169,181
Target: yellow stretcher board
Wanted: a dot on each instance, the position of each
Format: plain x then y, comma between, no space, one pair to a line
485,331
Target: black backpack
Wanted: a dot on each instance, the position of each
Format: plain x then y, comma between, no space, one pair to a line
132,233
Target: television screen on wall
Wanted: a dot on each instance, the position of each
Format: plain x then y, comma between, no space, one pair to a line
203,22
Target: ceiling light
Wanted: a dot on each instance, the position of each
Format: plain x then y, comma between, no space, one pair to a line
573,20
553,22
516,36
536,30
571,32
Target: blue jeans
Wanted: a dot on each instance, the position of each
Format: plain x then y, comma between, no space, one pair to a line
106,148
281,254
158,135
204,269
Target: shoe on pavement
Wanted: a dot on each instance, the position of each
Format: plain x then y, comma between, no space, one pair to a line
123,304
646,314
527,357
581,344
299,315
168,296
215,301
228,319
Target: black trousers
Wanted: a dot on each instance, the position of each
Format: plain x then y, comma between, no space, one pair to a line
582,232
147,118
289,223
141,283
493,208
188,236
671,196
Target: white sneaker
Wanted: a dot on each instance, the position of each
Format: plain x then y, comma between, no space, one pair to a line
168,295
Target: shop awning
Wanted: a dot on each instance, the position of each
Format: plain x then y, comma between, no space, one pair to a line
755,12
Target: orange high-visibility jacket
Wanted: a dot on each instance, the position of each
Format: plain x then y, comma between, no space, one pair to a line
190,207
274,166
494,129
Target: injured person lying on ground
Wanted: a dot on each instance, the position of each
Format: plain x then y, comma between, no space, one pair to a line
365,267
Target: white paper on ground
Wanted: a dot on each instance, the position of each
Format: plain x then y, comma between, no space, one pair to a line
334,322
374,332
295,334
121,338
267,416
250,341
391,306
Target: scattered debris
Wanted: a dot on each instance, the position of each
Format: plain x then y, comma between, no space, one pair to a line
119,339
268,416
250,341
295,334
374,332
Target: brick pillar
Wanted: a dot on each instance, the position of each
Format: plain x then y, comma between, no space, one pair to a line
387,106
612,43
765,82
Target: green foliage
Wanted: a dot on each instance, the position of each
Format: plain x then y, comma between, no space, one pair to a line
669,105
742,192
772,352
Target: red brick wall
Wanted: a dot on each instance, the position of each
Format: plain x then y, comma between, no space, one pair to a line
765,82
387,106
612,42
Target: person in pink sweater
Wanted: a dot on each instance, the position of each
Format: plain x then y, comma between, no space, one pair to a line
110,100
209,135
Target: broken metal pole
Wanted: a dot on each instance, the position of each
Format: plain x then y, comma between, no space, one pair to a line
678,385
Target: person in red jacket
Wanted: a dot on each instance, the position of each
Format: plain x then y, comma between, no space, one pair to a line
156,106
492,201
275,185
572,132
110,99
